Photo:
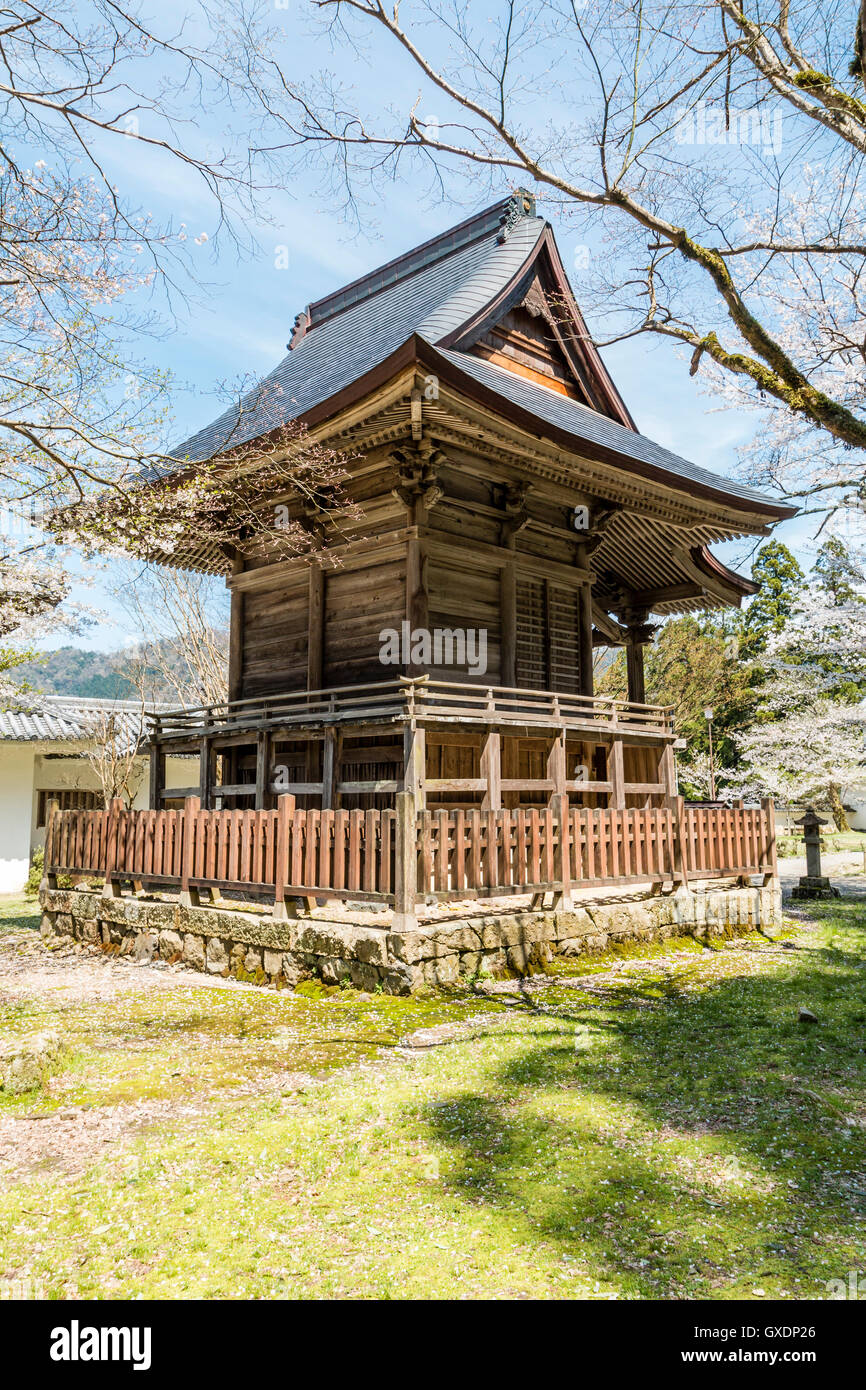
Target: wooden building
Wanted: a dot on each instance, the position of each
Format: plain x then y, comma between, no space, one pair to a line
502,488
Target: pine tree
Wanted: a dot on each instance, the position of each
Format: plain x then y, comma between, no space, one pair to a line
780,579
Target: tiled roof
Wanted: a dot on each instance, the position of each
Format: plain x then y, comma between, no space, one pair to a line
430,293
66,719
331,355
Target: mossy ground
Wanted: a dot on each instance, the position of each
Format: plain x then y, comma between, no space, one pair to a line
658,1126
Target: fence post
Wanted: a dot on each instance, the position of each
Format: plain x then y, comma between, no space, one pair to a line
189,896
681,859
49,880
405,864
111,888
285,810
767,806
562,861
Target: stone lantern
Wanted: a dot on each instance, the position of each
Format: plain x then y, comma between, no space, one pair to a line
813,884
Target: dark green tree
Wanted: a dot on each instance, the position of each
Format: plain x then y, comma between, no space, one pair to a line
780,579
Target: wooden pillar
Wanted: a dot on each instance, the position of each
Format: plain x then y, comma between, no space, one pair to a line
205,773
263,770
52,808
316,628
638,633
584,638
236,645
417,598
634,668
508,624
329,769
415,765
491,771
157,776
616,775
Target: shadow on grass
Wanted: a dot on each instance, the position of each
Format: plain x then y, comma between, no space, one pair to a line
19,914
704,1141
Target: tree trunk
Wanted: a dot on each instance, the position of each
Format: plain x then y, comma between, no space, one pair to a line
838,810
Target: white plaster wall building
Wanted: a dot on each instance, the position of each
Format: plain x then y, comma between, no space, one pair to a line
42,756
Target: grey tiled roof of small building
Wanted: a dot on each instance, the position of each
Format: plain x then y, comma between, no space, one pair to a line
65,719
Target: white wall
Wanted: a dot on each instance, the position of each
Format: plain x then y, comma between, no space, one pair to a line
16,814
27,768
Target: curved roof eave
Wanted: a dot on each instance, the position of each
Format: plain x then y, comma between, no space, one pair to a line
478,380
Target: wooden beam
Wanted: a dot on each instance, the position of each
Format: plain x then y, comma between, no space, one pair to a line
497,556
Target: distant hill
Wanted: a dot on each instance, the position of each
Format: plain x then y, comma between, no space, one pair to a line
92,675
76,671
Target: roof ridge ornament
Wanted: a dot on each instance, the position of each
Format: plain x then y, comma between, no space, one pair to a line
521,204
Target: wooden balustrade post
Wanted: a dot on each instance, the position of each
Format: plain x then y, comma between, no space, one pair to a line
189,896
680,854
740,855
282,869
49,879
562,859
668,775
405,864
616,775
491,772
263,769
415,765
111,888
769,810
329,763
556,767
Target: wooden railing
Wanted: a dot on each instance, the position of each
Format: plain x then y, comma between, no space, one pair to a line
403,856
406,699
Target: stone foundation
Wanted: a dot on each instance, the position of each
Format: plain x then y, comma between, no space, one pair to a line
448,950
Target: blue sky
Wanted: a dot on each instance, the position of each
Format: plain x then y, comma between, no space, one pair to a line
240,319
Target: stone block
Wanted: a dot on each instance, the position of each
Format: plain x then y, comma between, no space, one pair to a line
216,956
145,945
170,944
194,951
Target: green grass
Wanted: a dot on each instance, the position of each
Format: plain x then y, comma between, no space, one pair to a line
662,1129
832,841
19,913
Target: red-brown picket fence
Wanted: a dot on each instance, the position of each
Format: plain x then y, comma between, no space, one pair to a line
399,856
